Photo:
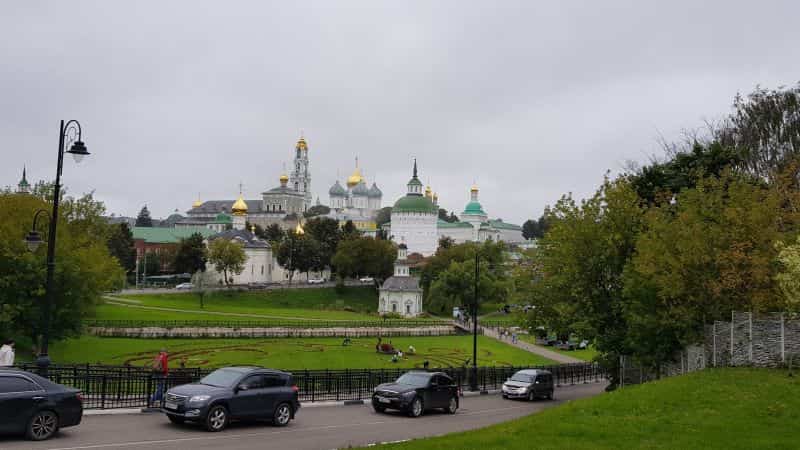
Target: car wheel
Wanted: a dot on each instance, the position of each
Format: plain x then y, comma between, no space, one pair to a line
551,395
452,407
379,409
531,396
282,416
217,418
505,396
417,408
42,425
176,420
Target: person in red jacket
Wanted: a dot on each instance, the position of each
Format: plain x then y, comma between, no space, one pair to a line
160,373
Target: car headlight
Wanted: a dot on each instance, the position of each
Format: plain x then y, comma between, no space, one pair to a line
199,398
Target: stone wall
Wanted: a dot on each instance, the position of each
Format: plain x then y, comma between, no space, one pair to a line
763,340
228,332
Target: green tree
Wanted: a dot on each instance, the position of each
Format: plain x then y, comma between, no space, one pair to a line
298,253
326,232
228,257
764,129
349,231
788,277
84,267
455,286
149,264
191,255
143,219
583,257
121,246
711,252
443,215
446,242
317,210
530,229
274,234
365,256
383,216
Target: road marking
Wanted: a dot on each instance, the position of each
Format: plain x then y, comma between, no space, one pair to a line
266,433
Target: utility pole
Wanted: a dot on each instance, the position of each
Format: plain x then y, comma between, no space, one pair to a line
474,378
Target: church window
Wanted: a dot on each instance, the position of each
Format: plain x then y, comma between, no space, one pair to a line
394,307
262,270
408,309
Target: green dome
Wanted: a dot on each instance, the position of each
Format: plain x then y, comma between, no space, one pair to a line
414,203
474,208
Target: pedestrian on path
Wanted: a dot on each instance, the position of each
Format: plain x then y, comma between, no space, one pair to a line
7,353
160,373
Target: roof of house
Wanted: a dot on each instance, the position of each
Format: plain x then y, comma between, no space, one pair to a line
217,206
401,284
248,239
474,208
414,203
499,224
157,235
444,224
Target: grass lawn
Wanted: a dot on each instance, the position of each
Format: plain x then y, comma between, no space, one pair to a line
587,354
355,303
289,353
713,409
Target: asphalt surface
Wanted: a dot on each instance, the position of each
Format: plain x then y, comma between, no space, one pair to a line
323,428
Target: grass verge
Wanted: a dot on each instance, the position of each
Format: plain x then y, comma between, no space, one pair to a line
712,409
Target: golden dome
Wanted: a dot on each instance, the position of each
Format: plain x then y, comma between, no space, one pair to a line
299,230
354,179
474,188
239,207
301,144
284,178
428,192
435,196
197,203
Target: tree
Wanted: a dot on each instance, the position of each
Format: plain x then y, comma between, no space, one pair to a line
710,253
788,277
365,256
317,210
349,231
326,232
455,286
451,218
121,246
764,129
143,219
149,264
446,242
191,255
530,229
84,268
228,257
298,253
274,234
383,216
583,257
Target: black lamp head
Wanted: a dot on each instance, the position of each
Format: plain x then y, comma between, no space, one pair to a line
33,240
78,151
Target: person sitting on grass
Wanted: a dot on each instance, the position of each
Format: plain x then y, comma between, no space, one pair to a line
411,350
346,342
394,358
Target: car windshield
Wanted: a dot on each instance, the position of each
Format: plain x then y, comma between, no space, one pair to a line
221,378
414,379
523,378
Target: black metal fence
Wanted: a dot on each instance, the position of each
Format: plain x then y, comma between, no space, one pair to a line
109,387
266,323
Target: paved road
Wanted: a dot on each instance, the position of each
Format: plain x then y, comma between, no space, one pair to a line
321,428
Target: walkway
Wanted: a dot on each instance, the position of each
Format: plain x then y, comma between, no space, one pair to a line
522,345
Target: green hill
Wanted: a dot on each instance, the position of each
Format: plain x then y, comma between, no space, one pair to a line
712,409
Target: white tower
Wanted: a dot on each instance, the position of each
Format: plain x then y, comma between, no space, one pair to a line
301,177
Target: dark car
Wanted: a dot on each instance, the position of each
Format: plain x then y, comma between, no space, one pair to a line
234,393
415,392
529,384
35,406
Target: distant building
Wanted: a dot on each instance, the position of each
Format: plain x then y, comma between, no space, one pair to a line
400,293
414,217
157,242
23,187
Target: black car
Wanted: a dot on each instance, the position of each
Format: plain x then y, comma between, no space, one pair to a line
35,406
234,393
415,392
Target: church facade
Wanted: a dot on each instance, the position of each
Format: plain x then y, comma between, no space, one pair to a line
356,202
400,293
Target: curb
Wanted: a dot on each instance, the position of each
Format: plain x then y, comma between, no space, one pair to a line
113,412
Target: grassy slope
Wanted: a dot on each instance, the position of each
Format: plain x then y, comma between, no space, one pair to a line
317,353
356,303
713,409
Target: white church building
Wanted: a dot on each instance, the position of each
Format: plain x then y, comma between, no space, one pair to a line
401,294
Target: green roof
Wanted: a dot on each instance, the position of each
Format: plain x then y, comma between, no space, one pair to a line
499,224
223,218
157,235
414,203
414,181
444,224
474,208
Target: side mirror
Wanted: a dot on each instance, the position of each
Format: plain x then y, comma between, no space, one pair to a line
242,387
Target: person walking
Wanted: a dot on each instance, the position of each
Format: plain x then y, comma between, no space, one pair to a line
160,372
7,353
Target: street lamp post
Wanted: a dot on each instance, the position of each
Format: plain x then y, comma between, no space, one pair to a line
473,385
70,131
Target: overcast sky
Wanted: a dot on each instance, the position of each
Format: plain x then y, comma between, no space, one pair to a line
531,99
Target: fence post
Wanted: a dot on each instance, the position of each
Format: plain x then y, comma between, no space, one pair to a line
714,345
733,316
783,341
621,371
750,319
103,392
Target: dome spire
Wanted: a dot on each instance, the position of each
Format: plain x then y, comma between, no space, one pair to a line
239,207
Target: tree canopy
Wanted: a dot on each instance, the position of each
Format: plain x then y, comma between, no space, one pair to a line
143,219
191,255
365,256
228,258
121,246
